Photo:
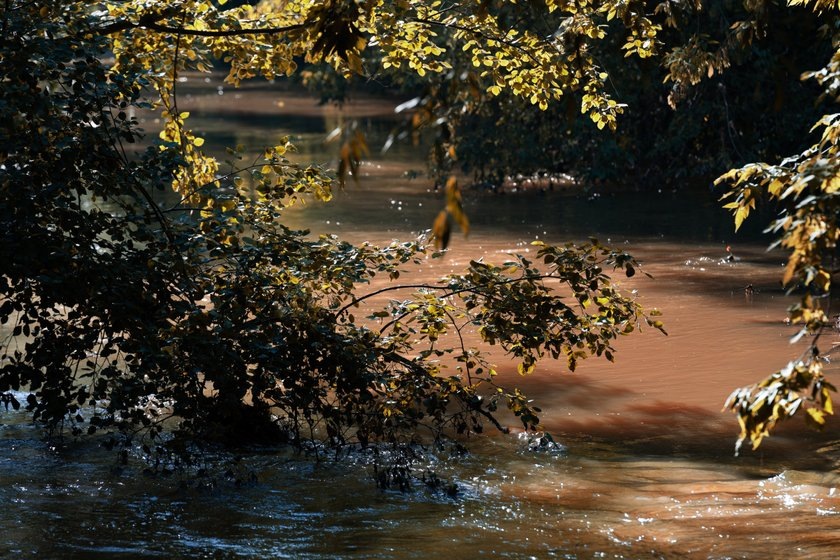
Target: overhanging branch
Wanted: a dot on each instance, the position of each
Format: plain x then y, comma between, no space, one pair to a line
225,32
153,23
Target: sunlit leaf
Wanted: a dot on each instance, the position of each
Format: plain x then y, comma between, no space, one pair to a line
441,230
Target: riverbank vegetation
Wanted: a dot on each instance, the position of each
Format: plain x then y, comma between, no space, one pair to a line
207,320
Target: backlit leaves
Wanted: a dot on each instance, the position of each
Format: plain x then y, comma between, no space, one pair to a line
535,68
800,385
805,188
267,39
816,5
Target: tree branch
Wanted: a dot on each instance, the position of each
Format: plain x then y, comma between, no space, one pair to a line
152,22
473,406
225,32
440,287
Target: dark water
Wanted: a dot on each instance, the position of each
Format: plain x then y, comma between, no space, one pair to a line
646,468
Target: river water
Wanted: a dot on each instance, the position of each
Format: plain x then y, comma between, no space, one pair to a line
645,468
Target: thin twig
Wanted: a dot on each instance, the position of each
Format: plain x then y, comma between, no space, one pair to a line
151,22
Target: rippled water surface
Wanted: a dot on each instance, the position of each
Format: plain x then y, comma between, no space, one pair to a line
646,468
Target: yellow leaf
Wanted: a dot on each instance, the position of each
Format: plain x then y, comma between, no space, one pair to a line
198,142
740,215
828,407
790,270
441,230
823,280
816,416
525,370
451,185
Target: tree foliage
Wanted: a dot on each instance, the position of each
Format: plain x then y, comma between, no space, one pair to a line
804,187
699,104
204,318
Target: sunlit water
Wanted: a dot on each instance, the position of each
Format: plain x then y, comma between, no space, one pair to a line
645,468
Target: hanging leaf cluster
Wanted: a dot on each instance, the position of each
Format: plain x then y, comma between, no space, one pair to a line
804,188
